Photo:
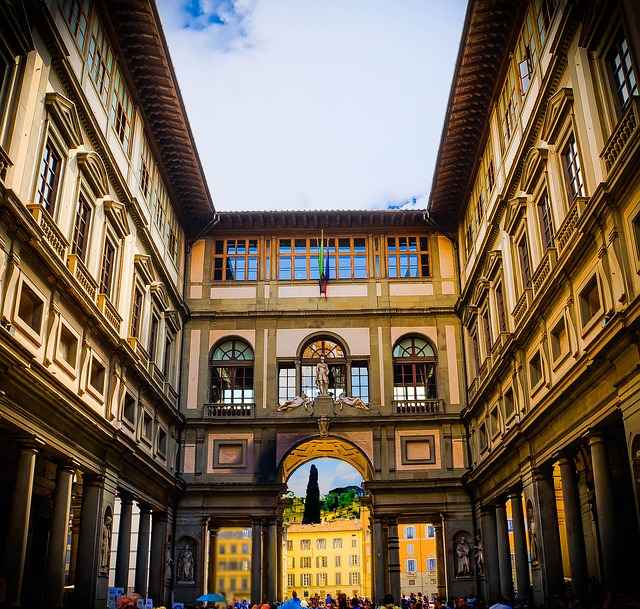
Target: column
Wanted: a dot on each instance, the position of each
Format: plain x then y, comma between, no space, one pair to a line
87,562
280,542
256,561
204,556
520,545
573,524
549,535
211,569
605,507
440,559
271,559
124,542
142,556
490,544
58,536
15,549
393,548
158,558
379,546
504,552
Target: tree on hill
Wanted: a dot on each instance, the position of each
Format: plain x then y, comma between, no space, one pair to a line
312,499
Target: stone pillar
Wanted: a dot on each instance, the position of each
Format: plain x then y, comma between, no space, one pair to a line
393,548
549,534
573,523
204,556
58,536
211,555
440,559
271,560
379,553
280,542
605,507
520,545
491,560
157,564
504,551
142,555
15,549
88,558
256,561
124,542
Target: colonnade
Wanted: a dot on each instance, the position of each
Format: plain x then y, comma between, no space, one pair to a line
536,534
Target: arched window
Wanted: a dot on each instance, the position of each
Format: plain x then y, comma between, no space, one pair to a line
231,365
414,370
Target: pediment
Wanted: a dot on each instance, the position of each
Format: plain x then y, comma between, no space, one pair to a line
557,109
515,209
534,163
493,264
63,112
95,172
116,212
144,267
159,294
469,315
482,285
172,317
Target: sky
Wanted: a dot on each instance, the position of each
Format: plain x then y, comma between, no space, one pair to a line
332,473
307,104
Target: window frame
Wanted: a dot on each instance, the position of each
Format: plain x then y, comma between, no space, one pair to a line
97,33
430,388
111,238
419,253
37,337
566,176
58,357
52,136
94,391
544,213
587,325
620,33
82,4
136,322
235,364
561,356
82,198
534,386
248,255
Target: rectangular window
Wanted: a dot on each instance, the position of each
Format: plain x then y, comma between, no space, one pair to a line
494,420
525,69
491,177
407,257
153,336
502,318
354,578
68,346
305,562
544,14
100,60
172,242
108,267
431,531
410,533
546,221
76,15
31,308
338,560
525,261
286,382
622,70
168,355
305,544
291,580
475,347
305,579
482,434
98,375
411,565
81,229
162,442
507,108
360,381
486,330
337,544
321,544
636,234
235,260
431,564
147,426
354,560
559,339
121,110
590,304
573,169
129,409
338,579
535,370
509,404
136,312
49,177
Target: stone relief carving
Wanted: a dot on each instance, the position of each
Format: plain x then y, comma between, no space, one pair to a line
462,553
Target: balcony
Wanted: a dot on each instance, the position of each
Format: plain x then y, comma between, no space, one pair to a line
53,236
82,275
139,350
522,305
544,269
156,374
225,411
109,311
623,136
408,407
171,393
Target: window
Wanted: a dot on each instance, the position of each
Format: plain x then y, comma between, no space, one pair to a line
290,545
590,304
147,426
572,169
414,370
129,409
622,70
360,381
408,257
321,579
305,544
235,260
231,365
121,110
636,233
338,579
286,382
321,544
525,69
172,241
338,560
410,533
431,564
153,335
291,580
509,404
486,330
108,266
546,221
337,544
410,549
526,52
475,347
30,308
525,260
305,579
98,375
507,108
431,531
49,177
354,560
334,355
354,578
482,435
68,346
494,420
81,229
502,318
354,542
535,370
162,442
559,339
136,312
411,565
168,354
491,176
76,15
100,60
352,258
544,14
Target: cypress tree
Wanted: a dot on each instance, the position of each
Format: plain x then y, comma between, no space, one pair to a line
312,500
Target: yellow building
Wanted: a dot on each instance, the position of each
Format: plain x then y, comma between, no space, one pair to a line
233,563
418,571
330,557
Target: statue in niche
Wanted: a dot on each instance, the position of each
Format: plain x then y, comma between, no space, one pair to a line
356,403
462,551
479,555
303,400
185,564
322,377
533,534
105,541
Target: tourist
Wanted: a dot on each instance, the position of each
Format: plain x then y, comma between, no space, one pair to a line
388,602
292,603
501,604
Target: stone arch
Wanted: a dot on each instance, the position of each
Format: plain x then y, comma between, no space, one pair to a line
310,338
95,171
332,446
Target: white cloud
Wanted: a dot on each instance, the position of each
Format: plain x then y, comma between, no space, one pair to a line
306,104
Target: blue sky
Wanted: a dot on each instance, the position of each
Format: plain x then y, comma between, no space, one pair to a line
300,104
332,473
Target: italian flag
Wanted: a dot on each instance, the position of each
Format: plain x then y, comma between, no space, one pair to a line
323,268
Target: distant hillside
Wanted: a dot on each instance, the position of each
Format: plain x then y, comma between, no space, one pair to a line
341,502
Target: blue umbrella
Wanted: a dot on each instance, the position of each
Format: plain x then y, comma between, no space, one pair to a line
212,597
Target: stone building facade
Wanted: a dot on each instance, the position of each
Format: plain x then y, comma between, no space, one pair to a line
537,179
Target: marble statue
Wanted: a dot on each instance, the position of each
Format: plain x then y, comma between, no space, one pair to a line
462,552
322,377
303,400
105,542
479,556
345,400
185,567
